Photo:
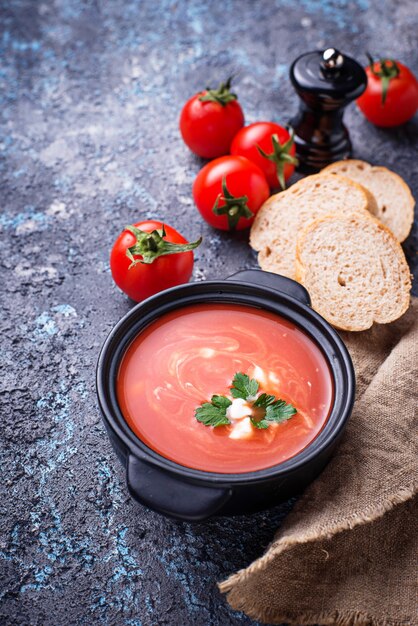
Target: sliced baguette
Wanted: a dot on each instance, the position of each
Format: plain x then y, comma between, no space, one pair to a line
354,269
281,218
394,200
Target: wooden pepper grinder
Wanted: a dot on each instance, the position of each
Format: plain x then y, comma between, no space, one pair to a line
325,81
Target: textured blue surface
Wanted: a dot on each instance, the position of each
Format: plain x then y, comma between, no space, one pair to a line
90,97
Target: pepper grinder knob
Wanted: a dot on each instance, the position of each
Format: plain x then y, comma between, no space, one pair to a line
332,59
325,81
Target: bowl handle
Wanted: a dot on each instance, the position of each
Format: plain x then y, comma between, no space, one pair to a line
273,281
163,492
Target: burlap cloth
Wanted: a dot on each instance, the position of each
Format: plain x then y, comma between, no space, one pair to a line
348,552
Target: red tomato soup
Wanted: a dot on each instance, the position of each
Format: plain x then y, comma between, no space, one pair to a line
185,357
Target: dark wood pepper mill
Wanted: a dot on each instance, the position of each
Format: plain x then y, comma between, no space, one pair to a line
325,81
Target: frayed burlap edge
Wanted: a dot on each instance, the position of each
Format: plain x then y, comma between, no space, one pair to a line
333,618
370,514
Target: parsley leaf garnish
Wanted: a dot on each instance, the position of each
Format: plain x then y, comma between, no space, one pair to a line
221,402
213,413
243,387
279,411
264,400
259,423
276,410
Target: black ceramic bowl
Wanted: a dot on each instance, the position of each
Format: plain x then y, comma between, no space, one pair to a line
189,494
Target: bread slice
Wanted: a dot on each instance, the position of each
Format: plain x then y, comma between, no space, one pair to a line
395,203
354,269
281,218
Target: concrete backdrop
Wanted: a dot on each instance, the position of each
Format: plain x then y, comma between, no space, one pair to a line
90,97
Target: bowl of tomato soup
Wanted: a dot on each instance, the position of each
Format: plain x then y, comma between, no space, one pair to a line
224,397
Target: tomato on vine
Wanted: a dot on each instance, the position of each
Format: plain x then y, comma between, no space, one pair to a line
269,146
391,95
229,191
210,120
150,256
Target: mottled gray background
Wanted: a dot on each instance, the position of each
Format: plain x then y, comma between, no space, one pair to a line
90,97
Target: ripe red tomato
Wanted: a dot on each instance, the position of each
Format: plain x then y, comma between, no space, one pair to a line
210,120
229,191
269,146
391,96
139,259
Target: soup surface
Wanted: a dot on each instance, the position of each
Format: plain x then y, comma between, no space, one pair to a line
185,357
